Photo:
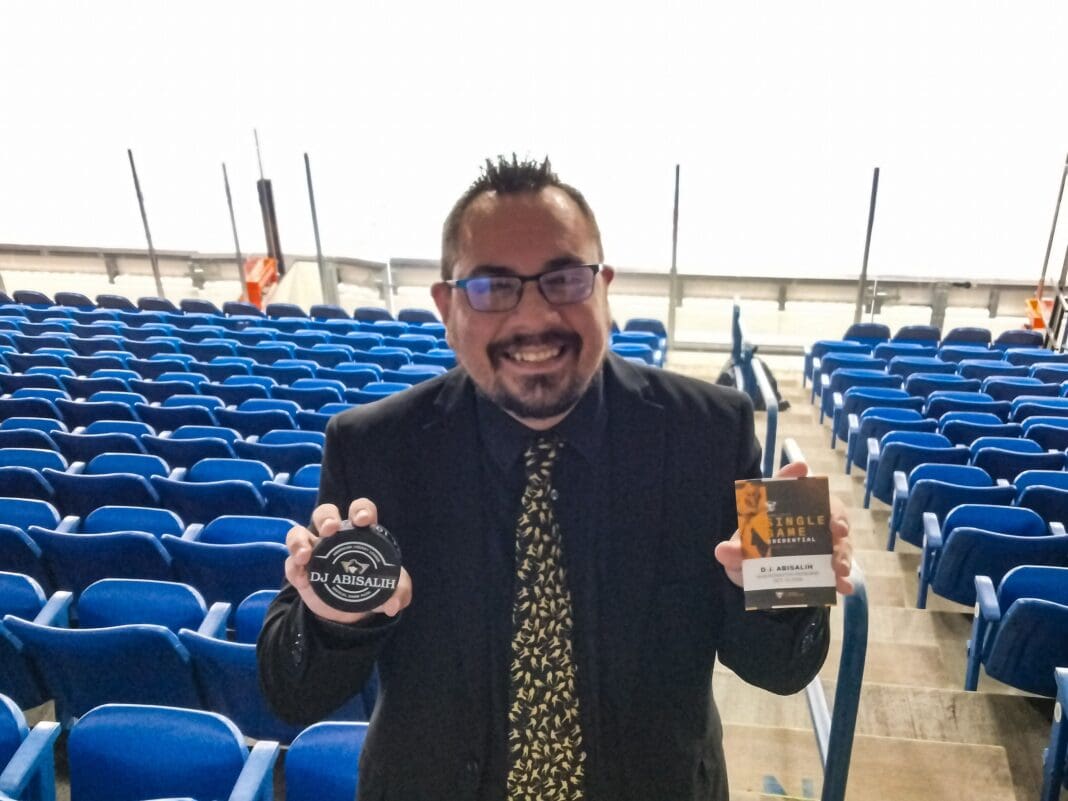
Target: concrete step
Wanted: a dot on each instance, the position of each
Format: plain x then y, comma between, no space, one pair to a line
1016,726
882,768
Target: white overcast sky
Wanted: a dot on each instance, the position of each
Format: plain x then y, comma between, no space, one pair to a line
777,112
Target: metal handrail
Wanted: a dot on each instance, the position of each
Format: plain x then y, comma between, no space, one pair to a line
751,377
834,729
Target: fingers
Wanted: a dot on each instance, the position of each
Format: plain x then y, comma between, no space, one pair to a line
792,470
729,554
402,596
843,546
363,512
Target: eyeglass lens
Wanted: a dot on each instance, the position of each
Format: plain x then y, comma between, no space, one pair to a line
502,292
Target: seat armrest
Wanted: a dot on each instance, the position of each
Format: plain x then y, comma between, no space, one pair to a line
986,599
69,523
854,423
214,623
932,531
280,478
192,532
1003,482
1056,528
76,468
33,758
901,485
56,612
179,473
256,780
873,449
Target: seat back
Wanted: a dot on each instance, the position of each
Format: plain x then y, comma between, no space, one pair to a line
323,762
940,497
227,572
81,493
969,552
904,456
229,470
77,560
238,529
202,501
186,753
1030,643
248,618
84,668
1006,464
119,602
1049,503
132,518
20,554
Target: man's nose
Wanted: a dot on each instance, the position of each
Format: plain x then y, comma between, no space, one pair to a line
532,302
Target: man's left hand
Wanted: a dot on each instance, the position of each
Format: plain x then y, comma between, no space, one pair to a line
729,552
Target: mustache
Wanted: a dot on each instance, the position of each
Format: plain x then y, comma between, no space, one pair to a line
552,338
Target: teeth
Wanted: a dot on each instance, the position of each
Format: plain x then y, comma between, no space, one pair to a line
539,355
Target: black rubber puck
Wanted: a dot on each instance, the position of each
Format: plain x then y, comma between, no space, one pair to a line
357,569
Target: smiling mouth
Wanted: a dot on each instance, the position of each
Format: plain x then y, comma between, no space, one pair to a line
534,351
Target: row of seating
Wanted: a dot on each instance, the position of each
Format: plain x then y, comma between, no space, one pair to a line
191,754
141,641
209,487
225,559
985,523
324,311
283,450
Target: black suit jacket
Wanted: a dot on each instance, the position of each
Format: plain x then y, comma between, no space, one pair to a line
665,607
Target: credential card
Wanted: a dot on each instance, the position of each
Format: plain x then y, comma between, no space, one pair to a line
786,542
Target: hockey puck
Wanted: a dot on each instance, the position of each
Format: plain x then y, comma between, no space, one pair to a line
357,569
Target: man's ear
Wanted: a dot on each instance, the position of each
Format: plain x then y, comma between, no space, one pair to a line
607,273
442,294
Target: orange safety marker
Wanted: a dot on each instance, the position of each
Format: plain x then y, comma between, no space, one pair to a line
260,275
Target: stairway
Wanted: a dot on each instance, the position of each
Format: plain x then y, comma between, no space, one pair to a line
920,737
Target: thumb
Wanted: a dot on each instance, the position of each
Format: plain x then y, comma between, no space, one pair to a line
792,470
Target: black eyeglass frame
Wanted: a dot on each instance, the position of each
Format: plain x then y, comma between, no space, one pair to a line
462,283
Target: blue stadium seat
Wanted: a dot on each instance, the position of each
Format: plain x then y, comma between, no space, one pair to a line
843,379
310,398
1049,432
12,382
20,554
369,314
287,457
1007,464
251,419
86,667
888,350
285,373
1010,388
82,413
200,493
1018,337
328,311
352,376
940,402
938,488
959,353
190,754
869,333
227,573
1055,759
924,384
199,306
294,500
158,391
413,373
168,418
86,447
178,451
239,529
963,428
28,407
26,438
857,400
79,493
823,368
22,596
968,334
918,333
26,512
902,451
976,540
1049,372
81,388
238,308
323,762
27,765
1020,632
74,299
420,316
873,423
1032,356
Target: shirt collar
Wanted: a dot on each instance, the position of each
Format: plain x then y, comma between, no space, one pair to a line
582,429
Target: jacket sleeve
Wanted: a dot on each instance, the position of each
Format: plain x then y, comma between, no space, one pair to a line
778,650
308,666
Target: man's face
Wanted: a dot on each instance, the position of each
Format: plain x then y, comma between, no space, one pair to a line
536,360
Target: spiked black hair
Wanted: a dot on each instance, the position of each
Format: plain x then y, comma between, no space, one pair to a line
507,177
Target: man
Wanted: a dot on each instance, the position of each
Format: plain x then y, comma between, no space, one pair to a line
565,521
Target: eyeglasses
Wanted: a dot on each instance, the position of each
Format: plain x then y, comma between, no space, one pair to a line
501,293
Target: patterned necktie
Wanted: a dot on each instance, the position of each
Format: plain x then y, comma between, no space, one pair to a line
545,737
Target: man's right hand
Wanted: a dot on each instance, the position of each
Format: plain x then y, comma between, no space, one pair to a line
300,541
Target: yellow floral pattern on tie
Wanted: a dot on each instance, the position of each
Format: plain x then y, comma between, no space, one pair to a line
545,736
